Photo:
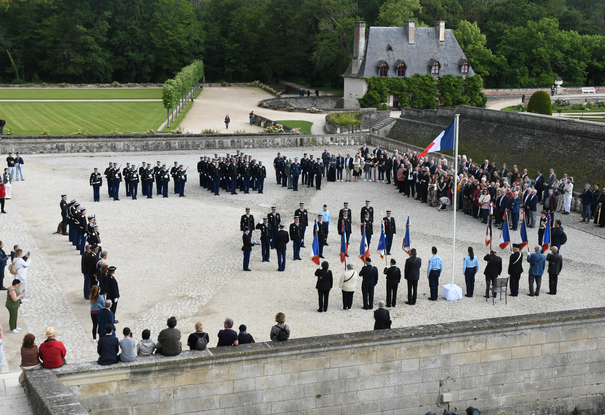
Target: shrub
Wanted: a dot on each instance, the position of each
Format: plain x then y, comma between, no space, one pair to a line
8,132
81,132
241,132
274,128
114,132
150,131
45,131
539,103
210,131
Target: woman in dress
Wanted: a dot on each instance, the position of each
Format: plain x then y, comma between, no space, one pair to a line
29,356
440,187
567,196
357,167
332,169
433,191
13,301
22,262
97,302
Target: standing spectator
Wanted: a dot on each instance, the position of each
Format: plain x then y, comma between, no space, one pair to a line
6,179
393,279
146,346
515,204
537,261
244,337
97,303
324,285
515,269
369,276
412,275
594,206
227,336
434,270
108,347
542,226
531,203
29,355
550,203
2,197
19,167
280,331
21,263
348,283
52,352
3,261
169,340
84,266
113,291
556,235
13,301
567,196
10,161
493,269
586,197
555,265
227,121
198,340
382,317
105,317
251,116
470,267
128,346
2,124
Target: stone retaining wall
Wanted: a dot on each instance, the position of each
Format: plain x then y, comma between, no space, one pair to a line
551,363
369,117
302,103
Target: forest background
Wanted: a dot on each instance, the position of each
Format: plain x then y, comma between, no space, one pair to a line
510,43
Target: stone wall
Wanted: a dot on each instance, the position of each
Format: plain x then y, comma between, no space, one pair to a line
551,363
324,102
369,117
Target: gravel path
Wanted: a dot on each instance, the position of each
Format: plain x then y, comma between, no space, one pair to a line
182,256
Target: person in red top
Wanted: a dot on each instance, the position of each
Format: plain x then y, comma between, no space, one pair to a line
52,352
2,197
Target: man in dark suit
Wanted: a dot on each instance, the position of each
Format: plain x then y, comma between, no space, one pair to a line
389,230
296,237
393,278
340,165
322,234
504,201
531,203
492,270
247,248
515,269
595,202
108,347
382,317
303,218
550,204
555,265
281,240
412,275
539,185
370,279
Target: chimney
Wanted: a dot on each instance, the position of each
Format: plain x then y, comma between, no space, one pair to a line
440,26
359,47
410,28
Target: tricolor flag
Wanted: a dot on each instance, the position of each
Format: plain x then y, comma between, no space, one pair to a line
488,231
546,239
504,236
523,235
315,246
343,243
364,252
444,141
382,243
406,239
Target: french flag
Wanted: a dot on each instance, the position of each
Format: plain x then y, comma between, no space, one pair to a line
546,239
364,252
504,236
444,141
315,247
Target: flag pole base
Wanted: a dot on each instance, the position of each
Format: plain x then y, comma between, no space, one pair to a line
451,292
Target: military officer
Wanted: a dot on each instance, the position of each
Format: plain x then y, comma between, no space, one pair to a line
156,173
71,211
117,179
247,220
200,170
367,224
181,178
265,238
64,214
322,234
96,181
303,217
344,209
141,176
296,237
319,167
344,225
148,181
246,175
274,220
134,178
126,176
173,171
389,230
94,237
261,176
295,171
367,209
163,177
107,174
81,230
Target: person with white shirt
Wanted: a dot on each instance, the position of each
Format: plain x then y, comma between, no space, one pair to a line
21,264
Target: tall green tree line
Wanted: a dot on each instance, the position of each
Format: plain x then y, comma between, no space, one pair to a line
511,43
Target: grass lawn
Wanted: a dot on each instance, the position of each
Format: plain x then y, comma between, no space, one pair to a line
75,93
31,118
588,119
305,126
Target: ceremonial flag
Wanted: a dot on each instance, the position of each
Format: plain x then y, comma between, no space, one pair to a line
504,236
523,236
382,243
488,231
315,246
406,239
343,243
444,141
364,252
546,239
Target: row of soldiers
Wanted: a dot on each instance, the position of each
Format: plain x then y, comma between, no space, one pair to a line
145,174
231,173
82,228
288,171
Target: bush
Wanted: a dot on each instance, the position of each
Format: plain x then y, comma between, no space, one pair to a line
348,120
210,131
539,103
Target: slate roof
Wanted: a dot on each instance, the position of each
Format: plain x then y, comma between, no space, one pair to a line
417,57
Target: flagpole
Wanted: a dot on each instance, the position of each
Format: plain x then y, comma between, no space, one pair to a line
456,124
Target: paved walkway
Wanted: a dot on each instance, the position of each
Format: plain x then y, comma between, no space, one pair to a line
12,396
503,103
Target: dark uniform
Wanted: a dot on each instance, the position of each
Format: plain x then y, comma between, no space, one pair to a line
107,174
147,178
296,234
344,224
515,269
126,175
247,220
367,209
370,279
274,220
369,228
96,181
173,171
389,231
117,179
163,177
303,219
265,238
393,278
134,179
158,183
64,213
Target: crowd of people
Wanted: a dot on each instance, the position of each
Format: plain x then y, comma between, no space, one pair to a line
12,172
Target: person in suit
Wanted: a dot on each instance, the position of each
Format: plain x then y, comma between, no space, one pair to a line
389,230
586,203
555,265
382,317
247,248
281,240
412,274
515,204
550,182
493,269
108,347
393,278
594,206
295,173
340,165
531,204
295,237
370,279
348,167
550,204
64,214
323,286
539,185
537,261
515,269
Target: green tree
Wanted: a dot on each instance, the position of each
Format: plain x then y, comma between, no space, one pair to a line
473,44
395,13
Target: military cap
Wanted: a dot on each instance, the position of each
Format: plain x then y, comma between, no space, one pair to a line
281,225
72,202
369,260
63,195
163,165
320,216
76,204
94,246
265,218
393,261
246,228
91,217
346,203
325,205
247,209
388,211
367,201
128,164
273,207
149,164
111,268
295,158
301,203
296,218
544,212
82,209
516,246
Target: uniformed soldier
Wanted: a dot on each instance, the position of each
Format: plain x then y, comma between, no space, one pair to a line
246,175
81,230
345,208
156,173
90,227
200,170
311,170
71,212
232,175
94,237
367,224
303,218
148,181
64,214
117,179
96,181
134,182
284,170
141,176
126,176
322,234
107,174
262,175
163,178
367,209
318,173
215,179
247,220
276,162
389,230
344,224
304,170
181,178
173,171
295,170
296,234
265,238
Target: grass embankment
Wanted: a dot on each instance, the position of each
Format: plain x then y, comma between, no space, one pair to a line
305,126
84,93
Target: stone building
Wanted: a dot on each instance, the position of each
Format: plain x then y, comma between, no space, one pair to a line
401,52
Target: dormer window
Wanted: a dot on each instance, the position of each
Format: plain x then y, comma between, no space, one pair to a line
435,69
401,70
465,67
384,70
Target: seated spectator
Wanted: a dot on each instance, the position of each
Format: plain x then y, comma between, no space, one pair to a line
105,317
280,331
128,345
169,340
198,340
52,352
29,356
146,346
108,347
382,317
244,337
227,336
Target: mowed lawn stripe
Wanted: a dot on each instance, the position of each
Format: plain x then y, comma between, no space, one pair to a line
30,118
88,93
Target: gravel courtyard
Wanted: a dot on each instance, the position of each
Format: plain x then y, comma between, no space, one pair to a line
182,257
